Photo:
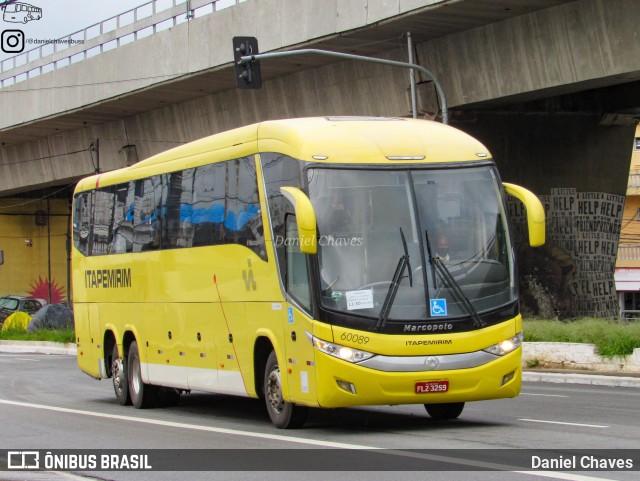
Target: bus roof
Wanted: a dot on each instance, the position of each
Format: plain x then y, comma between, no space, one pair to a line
359,140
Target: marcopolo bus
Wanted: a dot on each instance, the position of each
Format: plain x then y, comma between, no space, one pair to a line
318,262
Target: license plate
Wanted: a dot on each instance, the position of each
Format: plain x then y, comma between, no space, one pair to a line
427,387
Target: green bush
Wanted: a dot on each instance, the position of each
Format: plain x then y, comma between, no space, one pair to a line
59,335
610,338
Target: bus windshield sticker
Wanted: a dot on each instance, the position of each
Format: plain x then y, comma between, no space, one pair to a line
438,307
359,299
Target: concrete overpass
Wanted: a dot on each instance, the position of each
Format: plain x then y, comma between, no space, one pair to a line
551,86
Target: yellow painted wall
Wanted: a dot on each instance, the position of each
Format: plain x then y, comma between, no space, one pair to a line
25,248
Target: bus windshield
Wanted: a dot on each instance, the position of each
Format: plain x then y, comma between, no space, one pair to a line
374,224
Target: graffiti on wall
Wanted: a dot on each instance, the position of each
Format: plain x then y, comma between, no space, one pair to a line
572,274
40,290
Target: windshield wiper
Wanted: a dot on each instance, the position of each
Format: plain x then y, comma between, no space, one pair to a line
443,270
398,275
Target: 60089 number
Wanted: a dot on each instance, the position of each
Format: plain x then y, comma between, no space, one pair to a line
353,337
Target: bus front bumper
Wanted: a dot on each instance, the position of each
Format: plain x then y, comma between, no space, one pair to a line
342,384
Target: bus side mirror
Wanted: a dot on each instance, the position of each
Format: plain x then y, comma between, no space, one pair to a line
535,212
306,218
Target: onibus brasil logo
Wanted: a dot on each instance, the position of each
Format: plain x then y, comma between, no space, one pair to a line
19,12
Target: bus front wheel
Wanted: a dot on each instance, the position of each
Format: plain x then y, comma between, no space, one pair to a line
444,411
119,377
283,414
142,395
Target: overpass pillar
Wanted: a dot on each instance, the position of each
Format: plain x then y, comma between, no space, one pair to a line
579,168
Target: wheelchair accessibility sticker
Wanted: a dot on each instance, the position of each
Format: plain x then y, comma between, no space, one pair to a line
438,307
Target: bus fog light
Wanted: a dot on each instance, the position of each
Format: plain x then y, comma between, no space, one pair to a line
506,346
507,377
346,386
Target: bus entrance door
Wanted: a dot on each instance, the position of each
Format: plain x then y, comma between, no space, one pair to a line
300,357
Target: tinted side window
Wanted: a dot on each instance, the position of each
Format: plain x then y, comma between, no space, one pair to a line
122,220
147,214
279,171
102,220
82,221
208,204
243,221
177,225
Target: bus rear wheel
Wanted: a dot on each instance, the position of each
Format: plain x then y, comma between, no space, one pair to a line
444,411
283,414
119,377
142,395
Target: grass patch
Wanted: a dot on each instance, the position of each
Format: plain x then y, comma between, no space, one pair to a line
60,335
610,338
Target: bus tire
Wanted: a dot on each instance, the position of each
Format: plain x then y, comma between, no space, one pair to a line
283,414
119,377
142,395
168,397
444,411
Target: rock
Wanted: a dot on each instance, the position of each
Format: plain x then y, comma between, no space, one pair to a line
51,316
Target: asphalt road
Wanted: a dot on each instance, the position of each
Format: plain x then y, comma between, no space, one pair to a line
46,403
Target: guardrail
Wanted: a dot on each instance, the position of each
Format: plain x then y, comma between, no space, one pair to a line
130,26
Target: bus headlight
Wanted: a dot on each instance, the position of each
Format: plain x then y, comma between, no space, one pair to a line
341,352
506,346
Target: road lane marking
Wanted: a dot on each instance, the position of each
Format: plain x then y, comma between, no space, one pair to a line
311,442
563,423
543,395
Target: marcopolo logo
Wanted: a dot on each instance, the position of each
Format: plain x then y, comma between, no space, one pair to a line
19,12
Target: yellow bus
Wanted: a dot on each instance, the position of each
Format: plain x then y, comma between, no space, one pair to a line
317,262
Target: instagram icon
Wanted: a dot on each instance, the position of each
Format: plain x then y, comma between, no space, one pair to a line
12,41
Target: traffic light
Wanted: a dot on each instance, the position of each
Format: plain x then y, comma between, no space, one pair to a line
247,73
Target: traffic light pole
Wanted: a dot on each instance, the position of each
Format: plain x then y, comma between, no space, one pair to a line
348,56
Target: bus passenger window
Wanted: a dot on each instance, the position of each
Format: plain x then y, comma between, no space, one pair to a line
122,228
177,228
208,204
146,217
243,216
82,221
102,220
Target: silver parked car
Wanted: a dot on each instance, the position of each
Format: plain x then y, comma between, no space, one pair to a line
11,304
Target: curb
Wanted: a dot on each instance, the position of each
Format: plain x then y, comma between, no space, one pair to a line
37,347
589,379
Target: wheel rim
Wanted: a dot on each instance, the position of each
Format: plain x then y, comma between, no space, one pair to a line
274,391
118,375
135,375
